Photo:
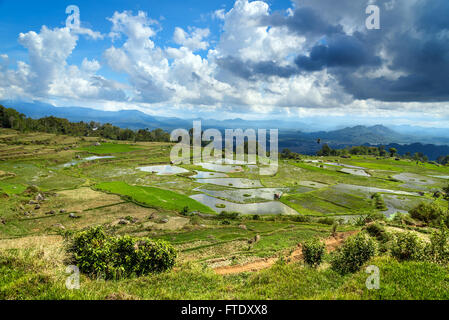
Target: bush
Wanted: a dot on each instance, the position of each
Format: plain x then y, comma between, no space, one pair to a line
300,218
407,246
313,251
354,252
100,255
377,231
438,249
228,215
185,211
370,217
379,202
429,213
403,218
327,220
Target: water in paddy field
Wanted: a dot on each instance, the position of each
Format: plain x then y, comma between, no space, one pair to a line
207,175
233,182
272,207
357,172
368,191
244,195
343,165
221,167
163,169
440,177
75,162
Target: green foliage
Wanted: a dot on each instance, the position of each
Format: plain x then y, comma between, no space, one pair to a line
403,218
10,118
228,215
379,202
100,255
377,231
368,218
407,246
313,251
154,197
430,213
438,249
354,252
326,220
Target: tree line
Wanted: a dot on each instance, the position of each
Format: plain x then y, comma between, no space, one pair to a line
381,151
11,118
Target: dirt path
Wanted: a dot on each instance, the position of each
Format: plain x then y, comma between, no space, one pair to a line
332,243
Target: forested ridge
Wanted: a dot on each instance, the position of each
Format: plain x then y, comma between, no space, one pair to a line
10,118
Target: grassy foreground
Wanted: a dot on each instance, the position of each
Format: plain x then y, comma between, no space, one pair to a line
27,276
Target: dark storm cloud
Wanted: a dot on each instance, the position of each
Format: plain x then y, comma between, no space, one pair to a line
414,39
304,21
255,70
340,51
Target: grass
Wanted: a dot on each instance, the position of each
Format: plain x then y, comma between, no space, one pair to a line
32,256
25,277
11,188
154,197
107,148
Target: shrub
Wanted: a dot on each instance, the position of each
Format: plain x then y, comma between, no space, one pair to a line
327,220
228,215
100,255
300,218
379,202
194,220
403,218
334,229
369,217
438,249
313,251
377,231
354,252
407,246
429,213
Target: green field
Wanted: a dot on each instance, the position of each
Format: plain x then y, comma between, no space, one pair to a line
154,197
108,148
262,251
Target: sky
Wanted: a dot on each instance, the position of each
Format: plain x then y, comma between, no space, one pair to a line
225,59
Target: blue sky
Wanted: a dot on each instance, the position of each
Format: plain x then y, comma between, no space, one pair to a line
224,59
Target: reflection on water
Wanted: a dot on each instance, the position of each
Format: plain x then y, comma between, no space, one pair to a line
251,195
232,182
357,172
75,162
344,165
221,167
206,175
272,207
163,169
368,191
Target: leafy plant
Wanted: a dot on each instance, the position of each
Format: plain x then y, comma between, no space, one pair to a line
438,248
354,252
100,255
313,251
407,246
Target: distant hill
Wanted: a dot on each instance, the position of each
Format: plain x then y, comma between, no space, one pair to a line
292,134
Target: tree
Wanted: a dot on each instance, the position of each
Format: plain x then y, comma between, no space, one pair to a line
392,151
325,151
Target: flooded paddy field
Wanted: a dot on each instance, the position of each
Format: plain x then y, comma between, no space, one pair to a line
132,189
265,208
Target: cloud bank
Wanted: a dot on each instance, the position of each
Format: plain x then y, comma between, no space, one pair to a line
314,57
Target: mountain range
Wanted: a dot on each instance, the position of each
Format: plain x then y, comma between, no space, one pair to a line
295,135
